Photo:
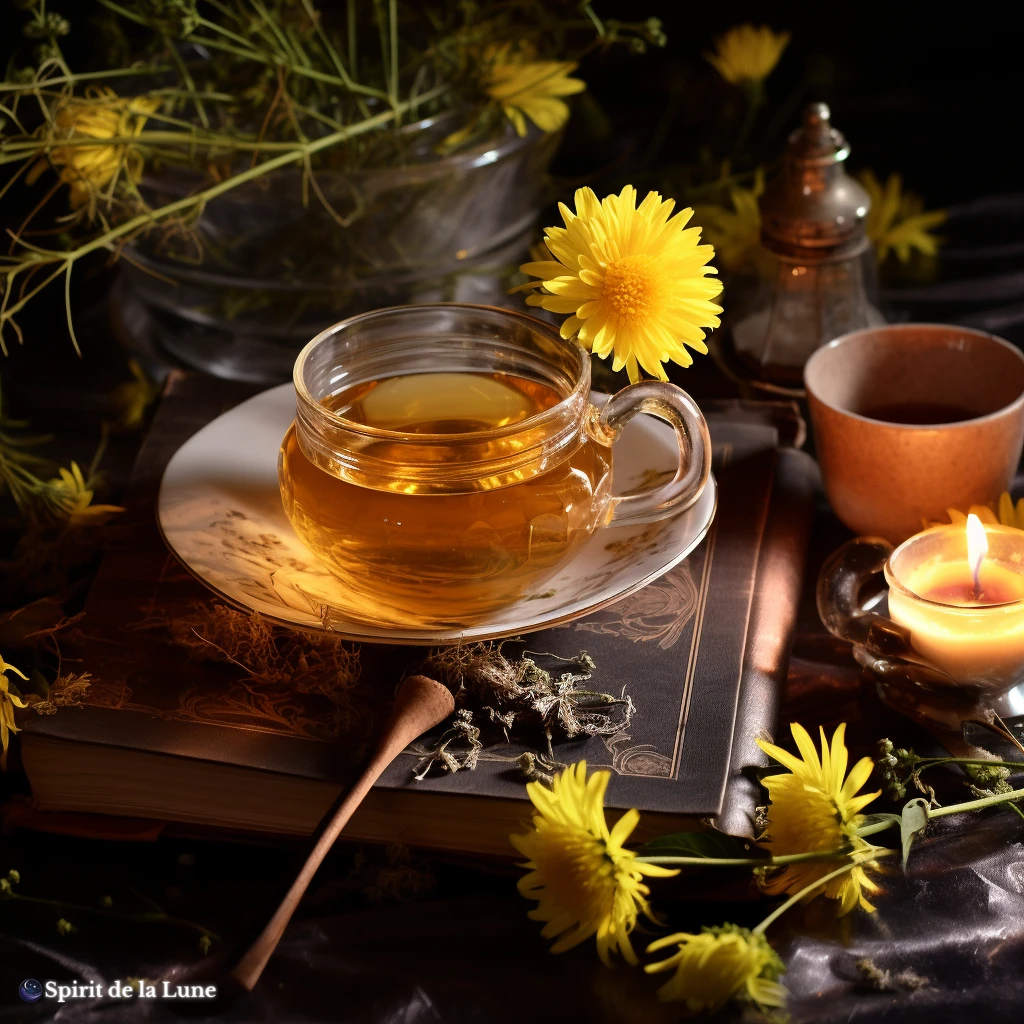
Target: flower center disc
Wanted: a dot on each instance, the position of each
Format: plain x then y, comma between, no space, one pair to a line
632,286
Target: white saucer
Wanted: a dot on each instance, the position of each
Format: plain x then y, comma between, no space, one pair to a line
220,513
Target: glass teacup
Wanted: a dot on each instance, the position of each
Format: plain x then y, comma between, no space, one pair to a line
446,459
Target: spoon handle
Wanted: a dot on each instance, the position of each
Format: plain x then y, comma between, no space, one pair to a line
420,704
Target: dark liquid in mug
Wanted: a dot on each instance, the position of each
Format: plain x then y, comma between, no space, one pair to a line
919,413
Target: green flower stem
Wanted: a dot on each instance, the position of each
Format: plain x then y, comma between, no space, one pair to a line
595,20
145,917
881,826
298,69
814,886
974,805
325,42
245,50
84,76
393,30
26,298
765,862
983,762
720,183
187,79
296,154
226,32
755,100
350,36
279,37
182,138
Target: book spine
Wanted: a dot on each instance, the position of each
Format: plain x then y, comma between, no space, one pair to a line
777,588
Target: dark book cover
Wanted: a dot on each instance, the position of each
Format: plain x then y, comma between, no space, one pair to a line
700,652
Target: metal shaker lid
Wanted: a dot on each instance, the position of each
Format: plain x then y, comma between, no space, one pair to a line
812,209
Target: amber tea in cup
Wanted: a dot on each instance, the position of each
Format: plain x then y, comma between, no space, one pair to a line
446,460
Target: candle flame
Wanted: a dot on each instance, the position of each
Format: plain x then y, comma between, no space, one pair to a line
977,544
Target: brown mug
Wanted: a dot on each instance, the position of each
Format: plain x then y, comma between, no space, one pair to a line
913,419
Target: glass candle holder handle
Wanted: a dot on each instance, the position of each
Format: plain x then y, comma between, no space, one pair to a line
850,597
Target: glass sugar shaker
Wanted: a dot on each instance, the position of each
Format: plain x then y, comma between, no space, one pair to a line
812,226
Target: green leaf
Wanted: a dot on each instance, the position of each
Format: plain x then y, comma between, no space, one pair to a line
912,824
697,844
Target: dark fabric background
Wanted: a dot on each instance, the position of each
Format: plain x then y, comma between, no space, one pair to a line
932,94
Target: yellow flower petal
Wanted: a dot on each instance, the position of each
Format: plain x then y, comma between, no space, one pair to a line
717,965
640,279
531,89
816,807
1007,514
895,222
586,883
748,54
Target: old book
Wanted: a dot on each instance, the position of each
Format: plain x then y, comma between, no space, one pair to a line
701,653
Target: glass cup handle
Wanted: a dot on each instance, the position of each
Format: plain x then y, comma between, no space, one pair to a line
678,409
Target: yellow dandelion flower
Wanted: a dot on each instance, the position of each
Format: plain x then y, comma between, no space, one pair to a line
8,702
585,881
636,283
815,807
1006,514
1010,514
748,54
717,965
735,234
897,221
532,89
73,498
132,398
102,114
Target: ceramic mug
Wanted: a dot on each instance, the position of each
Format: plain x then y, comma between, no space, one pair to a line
913,419
446,459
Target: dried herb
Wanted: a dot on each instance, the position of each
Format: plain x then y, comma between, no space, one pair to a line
65,691
457,747
519,695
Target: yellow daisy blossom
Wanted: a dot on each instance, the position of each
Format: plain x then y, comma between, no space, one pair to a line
8,702
73,498
533,89
748,54
717,965
585,881
897,221
736,233
101,115
636,283
815,806
1006,514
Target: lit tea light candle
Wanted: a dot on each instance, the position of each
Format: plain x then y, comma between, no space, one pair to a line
960,593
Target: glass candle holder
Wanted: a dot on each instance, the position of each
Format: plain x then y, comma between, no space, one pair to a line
965,617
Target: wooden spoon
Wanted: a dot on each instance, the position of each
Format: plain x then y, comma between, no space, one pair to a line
420,704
